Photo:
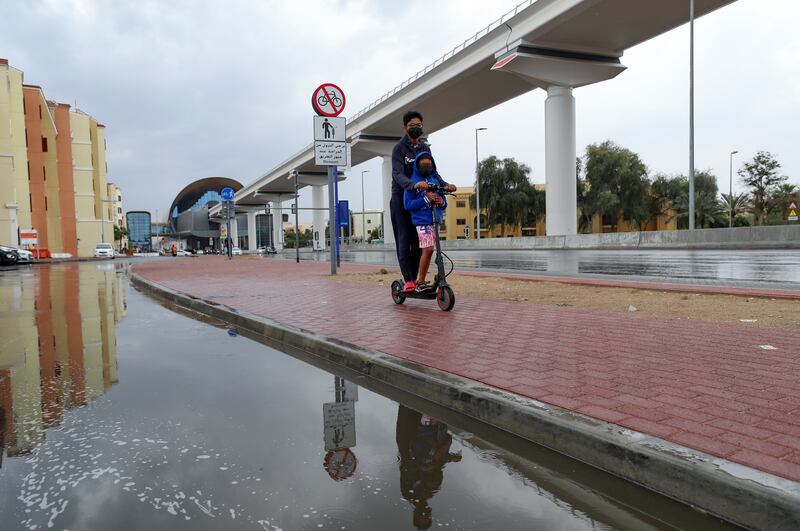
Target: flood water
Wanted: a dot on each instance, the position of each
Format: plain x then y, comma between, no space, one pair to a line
757,268
119,413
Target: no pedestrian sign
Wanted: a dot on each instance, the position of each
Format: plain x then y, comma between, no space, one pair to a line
328,100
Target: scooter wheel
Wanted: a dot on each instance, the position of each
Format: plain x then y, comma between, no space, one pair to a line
445,298
397,292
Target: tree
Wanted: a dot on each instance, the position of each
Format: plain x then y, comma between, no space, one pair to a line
780,200
375,233
709,212
761,176
617,183
736,204
506,193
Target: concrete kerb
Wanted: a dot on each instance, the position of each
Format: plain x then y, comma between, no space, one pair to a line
739,494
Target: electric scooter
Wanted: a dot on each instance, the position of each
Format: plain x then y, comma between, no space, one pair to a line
439,290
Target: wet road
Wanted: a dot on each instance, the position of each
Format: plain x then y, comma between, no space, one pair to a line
752,268
118,413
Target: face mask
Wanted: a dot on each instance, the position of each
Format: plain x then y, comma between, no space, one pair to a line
415,132
425,170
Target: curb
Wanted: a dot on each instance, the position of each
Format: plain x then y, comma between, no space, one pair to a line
733,492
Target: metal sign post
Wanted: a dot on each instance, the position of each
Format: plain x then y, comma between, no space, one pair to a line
330,149
227,196
296,218
332,227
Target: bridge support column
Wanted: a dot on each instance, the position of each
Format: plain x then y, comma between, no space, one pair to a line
386,179
277,225
234,232
560,152
252,241
318,197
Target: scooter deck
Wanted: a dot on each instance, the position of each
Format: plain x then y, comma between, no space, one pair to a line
428,294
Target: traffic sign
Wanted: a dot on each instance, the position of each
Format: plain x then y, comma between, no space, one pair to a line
793,212
340,464
330,129
227,193
29,237
344,213
328,100
330,153
339,425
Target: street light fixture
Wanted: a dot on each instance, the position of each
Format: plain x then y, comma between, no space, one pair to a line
478,185
363,209
730,191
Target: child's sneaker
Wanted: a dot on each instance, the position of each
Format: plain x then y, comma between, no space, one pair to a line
409,286
423,286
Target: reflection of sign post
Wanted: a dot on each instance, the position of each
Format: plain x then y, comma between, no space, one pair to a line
792,212
340,464
339,422
346,391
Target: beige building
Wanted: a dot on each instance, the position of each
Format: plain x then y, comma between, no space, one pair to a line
365,221
15,208
52,172
115,210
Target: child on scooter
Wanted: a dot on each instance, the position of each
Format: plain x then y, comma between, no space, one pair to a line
423,205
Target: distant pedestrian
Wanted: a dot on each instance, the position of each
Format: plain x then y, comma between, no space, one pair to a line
405,233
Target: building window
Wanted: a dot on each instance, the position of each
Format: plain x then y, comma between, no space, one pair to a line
29,170
44,172
40,112
369,222
461,221
45,202
44,144
119,198
30,201
461,204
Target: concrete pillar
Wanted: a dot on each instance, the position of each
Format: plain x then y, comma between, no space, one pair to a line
560,151
277,225
386,179
319,200
234,232
252,242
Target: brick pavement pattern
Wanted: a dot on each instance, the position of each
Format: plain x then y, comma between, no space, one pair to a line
730,391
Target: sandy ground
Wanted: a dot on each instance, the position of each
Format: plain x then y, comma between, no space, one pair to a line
732,309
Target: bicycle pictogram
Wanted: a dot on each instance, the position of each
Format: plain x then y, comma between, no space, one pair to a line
334,98
328,100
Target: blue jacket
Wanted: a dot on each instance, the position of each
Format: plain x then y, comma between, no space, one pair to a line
403,156
416,201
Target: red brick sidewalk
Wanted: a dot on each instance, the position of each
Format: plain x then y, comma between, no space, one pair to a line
730,391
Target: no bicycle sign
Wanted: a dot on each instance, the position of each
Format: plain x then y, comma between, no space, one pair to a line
328,100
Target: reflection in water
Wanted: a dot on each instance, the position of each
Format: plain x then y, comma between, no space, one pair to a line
423,444
58,348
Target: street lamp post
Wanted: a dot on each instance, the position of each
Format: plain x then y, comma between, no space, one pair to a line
730,191
363,209
691,114
478,185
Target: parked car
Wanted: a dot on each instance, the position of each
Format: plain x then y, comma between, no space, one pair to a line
185,252
266,250
104,250
236,251
8,256
22,256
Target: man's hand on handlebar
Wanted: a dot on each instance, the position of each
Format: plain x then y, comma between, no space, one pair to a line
422,185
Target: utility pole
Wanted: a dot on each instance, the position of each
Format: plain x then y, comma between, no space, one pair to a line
730,191
691,115
363,209
478,185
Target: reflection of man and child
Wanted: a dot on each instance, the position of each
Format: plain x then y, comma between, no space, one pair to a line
424,447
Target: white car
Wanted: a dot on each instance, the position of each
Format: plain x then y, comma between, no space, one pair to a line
184,252
236,251
104,250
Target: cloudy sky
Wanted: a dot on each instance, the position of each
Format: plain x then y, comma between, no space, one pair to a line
190,89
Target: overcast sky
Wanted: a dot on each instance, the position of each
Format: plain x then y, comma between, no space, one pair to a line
190,89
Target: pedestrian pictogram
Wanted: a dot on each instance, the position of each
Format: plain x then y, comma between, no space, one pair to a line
331,129
227,194
793,212
328,100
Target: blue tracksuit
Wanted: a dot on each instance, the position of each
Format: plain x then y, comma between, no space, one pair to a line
416,201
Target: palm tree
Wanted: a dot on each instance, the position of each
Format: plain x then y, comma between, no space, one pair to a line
782,197
734,205
709,212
